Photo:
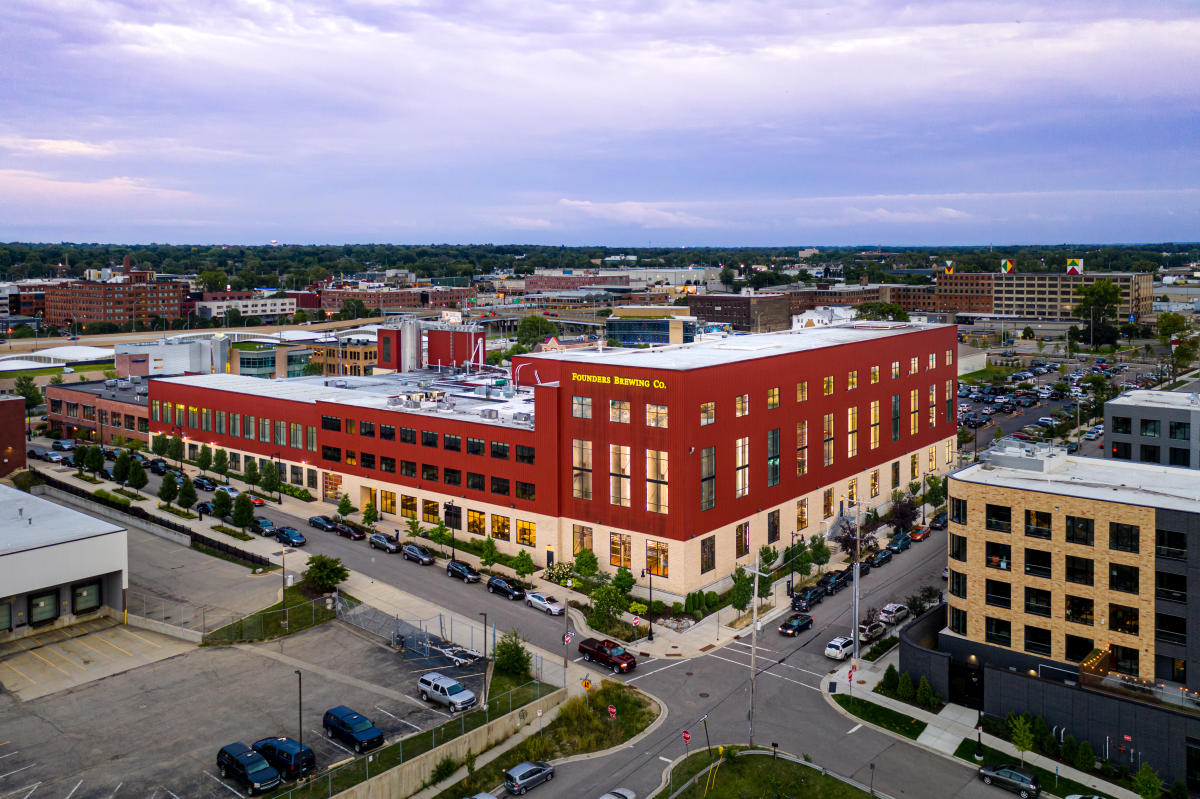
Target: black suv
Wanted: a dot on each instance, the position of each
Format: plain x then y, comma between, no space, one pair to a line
248,767
879,557
158,466
203,484
938,522
498,585
807,598
461,570
832,582
290,758
353,728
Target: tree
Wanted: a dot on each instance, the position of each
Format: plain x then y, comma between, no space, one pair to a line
1146,783
1182,356
95,459
1098,307
120,469
511,656
222,504
935,493
1171,324
205,459
57,380
586,563
623,580
369,514
268,479
489,556
534,330
323,572
904,687
767,555
212,280
168,490
924,692
187,493
891,679
137,476
175,449
523,565
1085,760
902,514
882,311
345,507
727,277
1027,333
764,587
243,511
25,386
1022,734
159,445
415,529
607,603
742,591
818,551
250,472
313,368
220,463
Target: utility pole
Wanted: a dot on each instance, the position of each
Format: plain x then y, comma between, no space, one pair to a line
754,647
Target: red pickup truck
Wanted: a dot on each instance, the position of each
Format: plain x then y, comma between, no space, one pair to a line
607,653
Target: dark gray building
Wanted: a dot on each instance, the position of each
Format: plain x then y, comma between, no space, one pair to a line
1154,427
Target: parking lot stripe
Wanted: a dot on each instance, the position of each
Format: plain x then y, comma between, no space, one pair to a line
29,789
397,718
218,782
114,793
56,651
47,662
329,740
84,643
18,671
10,754
114,646
128,631
73,790
15,771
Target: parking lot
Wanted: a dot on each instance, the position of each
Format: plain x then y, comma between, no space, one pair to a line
155,730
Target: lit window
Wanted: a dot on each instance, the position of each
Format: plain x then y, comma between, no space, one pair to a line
852,489
875,424
801,514
933,459
526,533
895,369
851,432
827,503
581,469
656,481
874,375
874,482
914,412
949,357
656,558
708,478
656,415
772,398
620,546
618,411
828,439
500,527
852,380
742,540
913,364
581,407
932,360
828,385
708,413
802,391
801,448
741,405
741,475
618,475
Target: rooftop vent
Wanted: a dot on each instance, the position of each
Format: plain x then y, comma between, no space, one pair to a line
522,417
490,413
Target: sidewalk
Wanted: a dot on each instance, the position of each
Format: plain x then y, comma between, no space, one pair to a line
945,731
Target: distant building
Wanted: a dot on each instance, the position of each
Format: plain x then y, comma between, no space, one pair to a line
83,303
99,410
168,357
262,307
752,312
390,299
1160,427
267,360
12,434
348,354
566,279
633,325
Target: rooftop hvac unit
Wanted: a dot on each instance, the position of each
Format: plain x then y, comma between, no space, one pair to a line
411,404
490,413
135,379
339,383
395,400
522,417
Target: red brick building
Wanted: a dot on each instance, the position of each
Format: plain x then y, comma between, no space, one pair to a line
565,281
98,411
118,303
12,434
682,461
397,299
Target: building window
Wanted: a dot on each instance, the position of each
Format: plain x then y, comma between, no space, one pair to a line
1123,578
333,423
1080,570
708,554
451,443
1178,456
997,631
874,483
801,448
526,533
408,506
772,398
874,375
387,432
828,439
708,413
408,468
932,459
958,621
351,458
914,412
741,540
618,411
741,405
1037,563
618,475
895,475
1170,544
932,406
1122,619
1122,424
500,450
999,556
708,478
741,473
581,539
408,435
957,584
852,380
500,486
387,465
852,489
998,518
1079,531
476,522
656,415
958,510
523,454
429,472
895,417
1037,523
429,438
1124,537
913,365
773,457
914,467
1149,453
1037,601
366,429
1172,629
500,527
429,511
1170,586
656,558
1122,451
949,402
656,481
1179,431
581,469
387,502
827,503
476,482
331,453
581,407
296,432
773,526
802,391
1078,648
526,491
1037,640
895,369
875,424
997,593
619,548
827,385
801,514
475,446
1150,428
851,432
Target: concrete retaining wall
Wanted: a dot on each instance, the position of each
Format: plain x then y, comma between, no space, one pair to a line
99,511
195,636
919,655
407,779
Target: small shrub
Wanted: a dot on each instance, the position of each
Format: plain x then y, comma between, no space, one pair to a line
677,609
470,761
658,607
444,768
924,692
637,608
689,603
1178,790
905,690
698,615
511,655
891,679
1069,749
1085,760
711,600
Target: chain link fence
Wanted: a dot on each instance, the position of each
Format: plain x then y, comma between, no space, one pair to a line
442,634
271,623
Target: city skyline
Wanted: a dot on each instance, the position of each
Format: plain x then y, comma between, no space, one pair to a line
719,124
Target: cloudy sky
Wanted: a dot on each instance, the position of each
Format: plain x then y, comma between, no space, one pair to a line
619,122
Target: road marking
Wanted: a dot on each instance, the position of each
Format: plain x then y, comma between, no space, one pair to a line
47,662
173,796
64,657
329,740
656,671
127,631
218,782
81,642
114,793
29,789
127,652
765,671
18,671
22,768
10,754
855,728
397,718
664,759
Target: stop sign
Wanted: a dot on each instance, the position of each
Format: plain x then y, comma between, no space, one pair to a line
612,711
687,737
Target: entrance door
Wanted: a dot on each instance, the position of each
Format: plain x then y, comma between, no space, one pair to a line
549,557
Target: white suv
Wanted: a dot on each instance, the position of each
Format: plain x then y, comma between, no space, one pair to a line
839,648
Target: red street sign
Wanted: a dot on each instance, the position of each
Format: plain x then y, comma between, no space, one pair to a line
612,711
1128,738
637,620
687,737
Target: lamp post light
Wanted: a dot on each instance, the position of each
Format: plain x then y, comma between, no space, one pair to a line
649,618
872,779
300,705
485,632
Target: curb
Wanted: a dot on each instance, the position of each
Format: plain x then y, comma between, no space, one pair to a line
664,711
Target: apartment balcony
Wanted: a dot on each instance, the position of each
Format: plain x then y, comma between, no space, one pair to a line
1097,674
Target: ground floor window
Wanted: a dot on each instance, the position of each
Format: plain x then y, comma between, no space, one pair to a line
297,476
708,554
526,533
312,478
408,506
742,540
476,522
581,539
429,511
235,462
387,501
656,558
620,546
500,527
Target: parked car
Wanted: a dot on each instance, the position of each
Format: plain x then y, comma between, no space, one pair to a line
290,536
871,631
620,793
1017,779
893,613
257,502
879,558
418,554
36,453
263,526
832,582
607,653
445,691
56,457
204,484
807,598
919,534
938,522
241,763
900,543
1091,435
385,541
523,776
795,624
351,728
544,602
498,585
159,466
203,507
839,648
321,523
231,491
1072,448
461,570
346,531
289,757
63,445
1047,421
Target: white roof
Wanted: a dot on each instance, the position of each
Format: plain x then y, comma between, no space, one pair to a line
1157,399
733,349
77,352
17,364
51,524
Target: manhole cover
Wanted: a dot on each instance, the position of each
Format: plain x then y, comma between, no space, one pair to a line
704,696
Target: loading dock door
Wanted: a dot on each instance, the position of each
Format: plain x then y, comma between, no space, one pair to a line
85,598
43,608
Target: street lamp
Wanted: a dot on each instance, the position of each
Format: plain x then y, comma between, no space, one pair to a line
446,512
300,705
872,779
485,629
649,610
278,479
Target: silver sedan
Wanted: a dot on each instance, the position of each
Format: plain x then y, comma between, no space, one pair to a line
544,602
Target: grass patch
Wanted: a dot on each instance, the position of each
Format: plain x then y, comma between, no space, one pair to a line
296,612
100,493
880,648
582,726
226,556
881,716
985,375
125,492
757,775
180,512
233,532
991,757
87,478
26,480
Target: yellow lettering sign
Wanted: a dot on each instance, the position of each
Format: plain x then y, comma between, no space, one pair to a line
635,382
